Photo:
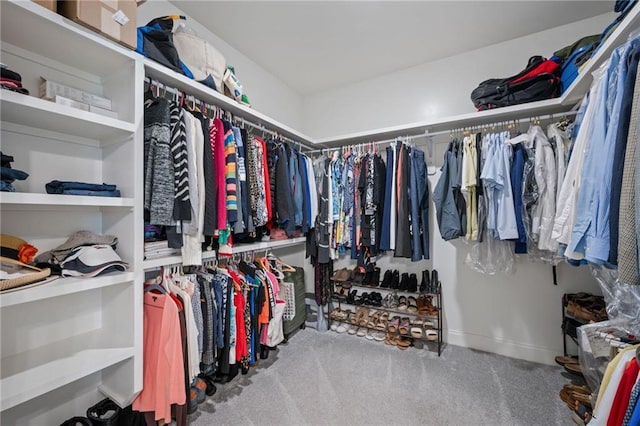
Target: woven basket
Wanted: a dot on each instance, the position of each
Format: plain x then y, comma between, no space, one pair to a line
289,296
37,274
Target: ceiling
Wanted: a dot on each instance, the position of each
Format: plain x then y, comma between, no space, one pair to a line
313,46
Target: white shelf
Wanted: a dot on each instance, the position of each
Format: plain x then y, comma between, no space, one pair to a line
240,248
264,245
54,200
41,370
569,98
34,28
62,287
39,113
173,79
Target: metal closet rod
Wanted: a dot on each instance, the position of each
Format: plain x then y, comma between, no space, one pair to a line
427,133
257,126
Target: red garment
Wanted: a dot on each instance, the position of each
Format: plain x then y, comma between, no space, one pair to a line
241,334
621,400
219,168
163,363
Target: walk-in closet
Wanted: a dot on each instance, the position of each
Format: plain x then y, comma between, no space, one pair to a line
306,213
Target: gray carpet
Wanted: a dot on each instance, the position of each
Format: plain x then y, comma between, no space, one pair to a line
338,379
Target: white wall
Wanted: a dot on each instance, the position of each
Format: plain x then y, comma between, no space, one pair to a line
434,89
267,93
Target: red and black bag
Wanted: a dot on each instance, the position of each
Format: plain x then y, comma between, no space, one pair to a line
538,81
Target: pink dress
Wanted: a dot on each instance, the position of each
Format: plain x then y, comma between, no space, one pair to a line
163,373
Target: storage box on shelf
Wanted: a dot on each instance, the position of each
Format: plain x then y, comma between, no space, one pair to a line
63,335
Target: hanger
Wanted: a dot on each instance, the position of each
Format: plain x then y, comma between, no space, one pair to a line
283,266
157,287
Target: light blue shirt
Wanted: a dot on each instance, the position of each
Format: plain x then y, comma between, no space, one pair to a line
590,233
497,178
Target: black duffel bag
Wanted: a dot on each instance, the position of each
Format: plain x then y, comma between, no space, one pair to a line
538,81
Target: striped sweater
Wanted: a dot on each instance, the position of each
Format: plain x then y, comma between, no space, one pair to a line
230,174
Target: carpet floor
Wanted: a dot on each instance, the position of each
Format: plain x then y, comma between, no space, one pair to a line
339,379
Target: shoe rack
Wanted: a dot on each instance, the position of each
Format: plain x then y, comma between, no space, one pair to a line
348,304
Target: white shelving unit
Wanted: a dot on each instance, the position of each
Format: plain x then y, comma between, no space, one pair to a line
71,330
63,287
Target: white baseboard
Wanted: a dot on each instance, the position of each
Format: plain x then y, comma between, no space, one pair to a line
502,347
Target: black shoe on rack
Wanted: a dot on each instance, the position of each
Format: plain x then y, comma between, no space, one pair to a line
386,280
367,278
375,277
425,285
351,298
404,282
395,280
413,283
434,282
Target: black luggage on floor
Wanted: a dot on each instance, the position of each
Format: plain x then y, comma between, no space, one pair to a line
297,278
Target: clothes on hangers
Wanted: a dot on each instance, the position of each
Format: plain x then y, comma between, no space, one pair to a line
371,207
209,183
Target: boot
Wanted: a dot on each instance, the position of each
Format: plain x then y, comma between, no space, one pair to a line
367,278
386,280
375,277
434,282
404,282
395,280
413,283
425,285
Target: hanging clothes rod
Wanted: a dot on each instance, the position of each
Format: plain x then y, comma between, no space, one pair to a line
244,121
427,133
369,144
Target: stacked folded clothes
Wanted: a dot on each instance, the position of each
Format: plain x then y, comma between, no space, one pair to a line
157,249
8,174
82,188
11,80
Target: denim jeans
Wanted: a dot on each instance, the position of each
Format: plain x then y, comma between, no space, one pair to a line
419,200
6,186
58,187
115,193
9,175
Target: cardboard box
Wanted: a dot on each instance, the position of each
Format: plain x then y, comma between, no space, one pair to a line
49,4
70,102
116,19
